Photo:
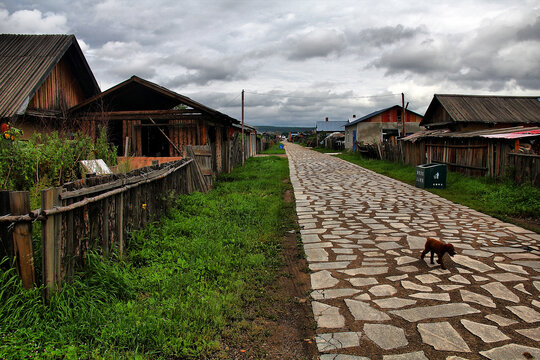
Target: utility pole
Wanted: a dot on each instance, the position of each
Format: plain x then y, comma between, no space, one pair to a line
243,148
403,133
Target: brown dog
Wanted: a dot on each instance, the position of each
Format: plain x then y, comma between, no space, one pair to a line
439,247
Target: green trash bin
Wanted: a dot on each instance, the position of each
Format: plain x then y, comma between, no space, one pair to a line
431,176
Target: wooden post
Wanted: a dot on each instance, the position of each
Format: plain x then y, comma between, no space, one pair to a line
50,243
243,149
22,238
105,226
6,240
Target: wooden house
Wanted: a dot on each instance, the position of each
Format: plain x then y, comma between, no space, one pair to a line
480,135
41,77
149,122
380,126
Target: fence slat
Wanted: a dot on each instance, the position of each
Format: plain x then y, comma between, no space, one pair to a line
22,238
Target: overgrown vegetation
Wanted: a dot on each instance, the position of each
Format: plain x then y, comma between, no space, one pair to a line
186,280
47,160
501,198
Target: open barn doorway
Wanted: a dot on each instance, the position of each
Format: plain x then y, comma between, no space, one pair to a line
153,142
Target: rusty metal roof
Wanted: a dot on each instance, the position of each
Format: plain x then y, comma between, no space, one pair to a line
485,109
513,132
27,60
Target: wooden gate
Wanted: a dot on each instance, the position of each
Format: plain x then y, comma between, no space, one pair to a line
203,156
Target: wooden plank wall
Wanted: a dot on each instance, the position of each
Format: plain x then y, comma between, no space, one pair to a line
60,90
526,168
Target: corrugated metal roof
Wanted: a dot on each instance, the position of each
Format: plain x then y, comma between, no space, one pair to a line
27,60
486,109
505,133
515,135
331,125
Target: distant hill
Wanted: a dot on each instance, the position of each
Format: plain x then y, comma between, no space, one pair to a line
283,129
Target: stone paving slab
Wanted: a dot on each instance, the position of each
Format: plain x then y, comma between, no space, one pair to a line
373,298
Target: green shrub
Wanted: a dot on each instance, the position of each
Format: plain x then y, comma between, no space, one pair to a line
48,159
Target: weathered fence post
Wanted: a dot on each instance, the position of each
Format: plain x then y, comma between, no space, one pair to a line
120,224
6,240
22,237
49,242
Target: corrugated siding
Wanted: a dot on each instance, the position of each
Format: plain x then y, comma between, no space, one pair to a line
25,62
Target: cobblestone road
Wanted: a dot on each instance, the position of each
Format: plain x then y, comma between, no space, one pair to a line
373,298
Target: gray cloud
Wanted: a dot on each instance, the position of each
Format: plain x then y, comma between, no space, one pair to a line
387,35
489,58
530,32
203,69
299,61
315,43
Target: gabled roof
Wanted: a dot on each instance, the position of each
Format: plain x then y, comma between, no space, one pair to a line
27,60
486,109
137,94
332,126
378,112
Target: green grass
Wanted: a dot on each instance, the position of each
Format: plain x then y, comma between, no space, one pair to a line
274,150
499,198
326,150
186,280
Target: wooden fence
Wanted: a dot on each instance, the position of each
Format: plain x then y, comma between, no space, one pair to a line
381,151
473,158
526,168
90,214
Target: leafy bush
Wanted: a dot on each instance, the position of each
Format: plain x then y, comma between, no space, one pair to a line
49,159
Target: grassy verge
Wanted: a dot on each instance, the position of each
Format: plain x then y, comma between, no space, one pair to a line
186,280
502,199
325,150
274,150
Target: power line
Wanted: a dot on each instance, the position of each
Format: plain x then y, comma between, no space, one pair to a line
321,97
230,102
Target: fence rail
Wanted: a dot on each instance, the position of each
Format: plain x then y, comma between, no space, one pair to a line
89,214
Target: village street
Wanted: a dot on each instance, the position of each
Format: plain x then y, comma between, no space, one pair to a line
373,298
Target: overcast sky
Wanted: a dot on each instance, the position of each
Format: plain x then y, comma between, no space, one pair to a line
300,61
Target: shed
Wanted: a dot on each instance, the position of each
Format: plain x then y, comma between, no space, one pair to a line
476,112
151,122
380,126
41,77
491,152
